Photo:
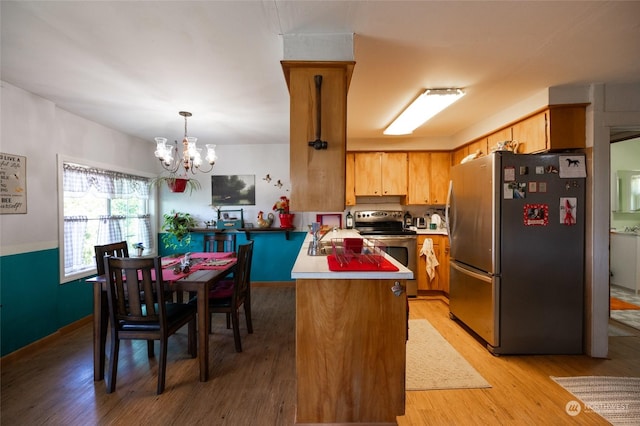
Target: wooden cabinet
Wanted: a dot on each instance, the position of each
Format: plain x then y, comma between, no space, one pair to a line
440,280
350,351
380,173
458,155
418,189
531,133
439,185
479,146
497,137
556,128
350,180
428,181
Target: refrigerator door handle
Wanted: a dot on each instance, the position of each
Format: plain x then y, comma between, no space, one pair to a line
476,275
447,219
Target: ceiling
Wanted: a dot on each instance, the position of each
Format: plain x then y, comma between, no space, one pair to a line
132,65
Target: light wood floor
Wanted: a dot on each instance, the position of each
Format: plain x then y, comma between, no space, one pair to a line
54,384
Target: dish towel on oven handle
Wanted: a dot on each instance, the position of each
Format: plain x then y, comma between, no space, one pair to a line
432,260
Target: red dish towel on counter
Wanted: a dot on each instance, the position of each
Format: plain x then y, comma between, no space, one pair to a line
356,265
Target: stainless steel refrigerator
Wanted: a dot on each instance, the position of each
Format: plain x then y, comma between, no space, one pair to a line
516,227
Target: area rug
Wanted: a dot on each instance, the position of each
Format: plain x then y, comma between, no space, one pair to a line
621,305
617,399
432,363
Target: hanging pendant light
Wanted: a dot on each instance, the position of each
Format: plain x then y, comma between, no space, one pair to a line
191,158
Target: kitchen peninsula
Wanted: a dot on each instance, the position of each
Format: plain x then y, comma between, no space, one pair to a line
351,331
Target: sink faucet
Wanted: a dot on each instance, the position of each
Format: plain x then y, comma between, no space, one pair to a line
315,243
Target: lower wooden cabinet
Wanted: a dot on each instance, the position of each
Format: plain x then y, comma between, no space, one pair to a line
440,281
350,351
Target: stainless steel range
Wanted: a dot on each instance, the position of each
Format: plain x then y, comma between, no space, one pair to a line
400,243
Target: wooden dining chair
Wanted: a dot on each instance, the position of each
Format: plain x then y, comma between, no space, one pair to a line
114,249
220,242
119,249
230,295
138,311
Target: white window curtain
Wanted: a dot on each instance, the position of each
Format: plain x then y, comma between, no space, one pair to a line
79,180
111,229
112,223
144,230
74,231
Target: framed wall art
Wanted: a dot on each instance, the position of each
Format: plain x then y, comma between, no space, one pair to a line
233,190
13,184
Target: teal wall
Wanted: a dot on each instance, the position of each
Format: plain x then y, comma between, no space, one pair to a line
273,253
33,303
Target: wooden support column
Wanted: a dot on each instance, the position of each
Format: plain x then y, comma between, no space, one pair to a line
318,176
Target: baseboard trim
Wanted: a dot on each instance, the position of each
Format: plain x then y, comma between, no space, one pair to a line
40,343
273,284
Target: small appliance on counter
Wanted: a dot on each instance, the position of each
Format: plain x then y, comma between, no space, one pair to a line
407,220
436,221
420,222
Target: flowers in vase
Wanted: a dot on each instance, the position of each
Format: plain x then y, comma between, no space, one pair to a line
282,205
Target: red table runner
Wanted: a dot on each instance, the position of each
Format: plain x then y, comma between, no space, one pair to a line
219,260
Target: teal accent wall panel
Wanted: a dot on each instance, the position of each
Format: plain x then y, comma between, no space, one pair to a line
34,305
273,254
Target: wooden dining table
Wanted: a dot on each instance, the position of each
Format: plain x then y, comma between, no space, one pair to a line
207,270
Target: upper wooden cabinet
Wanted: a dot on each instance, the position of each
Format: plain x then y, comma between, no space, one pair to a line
317,176
559,127
380,173
350,180
500,136
428,177
439,184
458,155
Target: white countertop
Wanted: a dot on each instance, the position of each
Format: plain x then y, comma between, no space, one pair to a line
441,231
314,267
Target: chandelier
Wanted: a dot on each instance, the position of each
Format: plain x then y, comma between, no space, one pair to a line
191,158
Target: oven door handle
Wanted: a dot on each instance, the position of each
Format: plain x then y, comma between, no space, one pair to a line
390,237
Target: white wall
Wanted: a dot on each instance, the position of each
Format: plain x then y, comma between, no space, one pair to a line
37,129
258,160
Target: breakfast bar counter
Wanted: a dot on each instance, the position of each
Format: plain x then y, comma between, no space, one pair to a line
351,330
317,267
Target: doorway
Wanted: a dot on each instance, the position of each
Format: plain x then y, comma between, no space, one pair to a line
624,238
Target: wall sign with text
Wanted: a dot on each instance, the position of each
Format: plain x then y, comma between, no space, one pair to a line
13,183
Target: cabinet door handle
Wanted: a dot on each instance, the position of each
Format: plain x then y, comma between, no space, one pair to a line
397,289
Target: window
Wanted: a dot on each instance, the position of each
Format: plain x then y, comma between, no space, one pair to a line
101,206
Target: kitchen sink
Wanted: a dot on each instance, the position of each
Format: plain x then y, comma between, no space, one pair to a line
325,248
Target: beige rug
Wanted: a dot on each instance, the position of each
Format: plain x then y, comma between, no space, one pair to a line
432,363
617,399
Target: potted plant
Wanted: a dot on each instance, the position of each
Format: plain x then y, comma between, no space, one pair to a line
282,207
178,229
177,183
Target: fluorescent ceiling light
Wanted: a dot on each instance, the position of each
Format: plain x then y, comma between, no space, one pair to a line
428,104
